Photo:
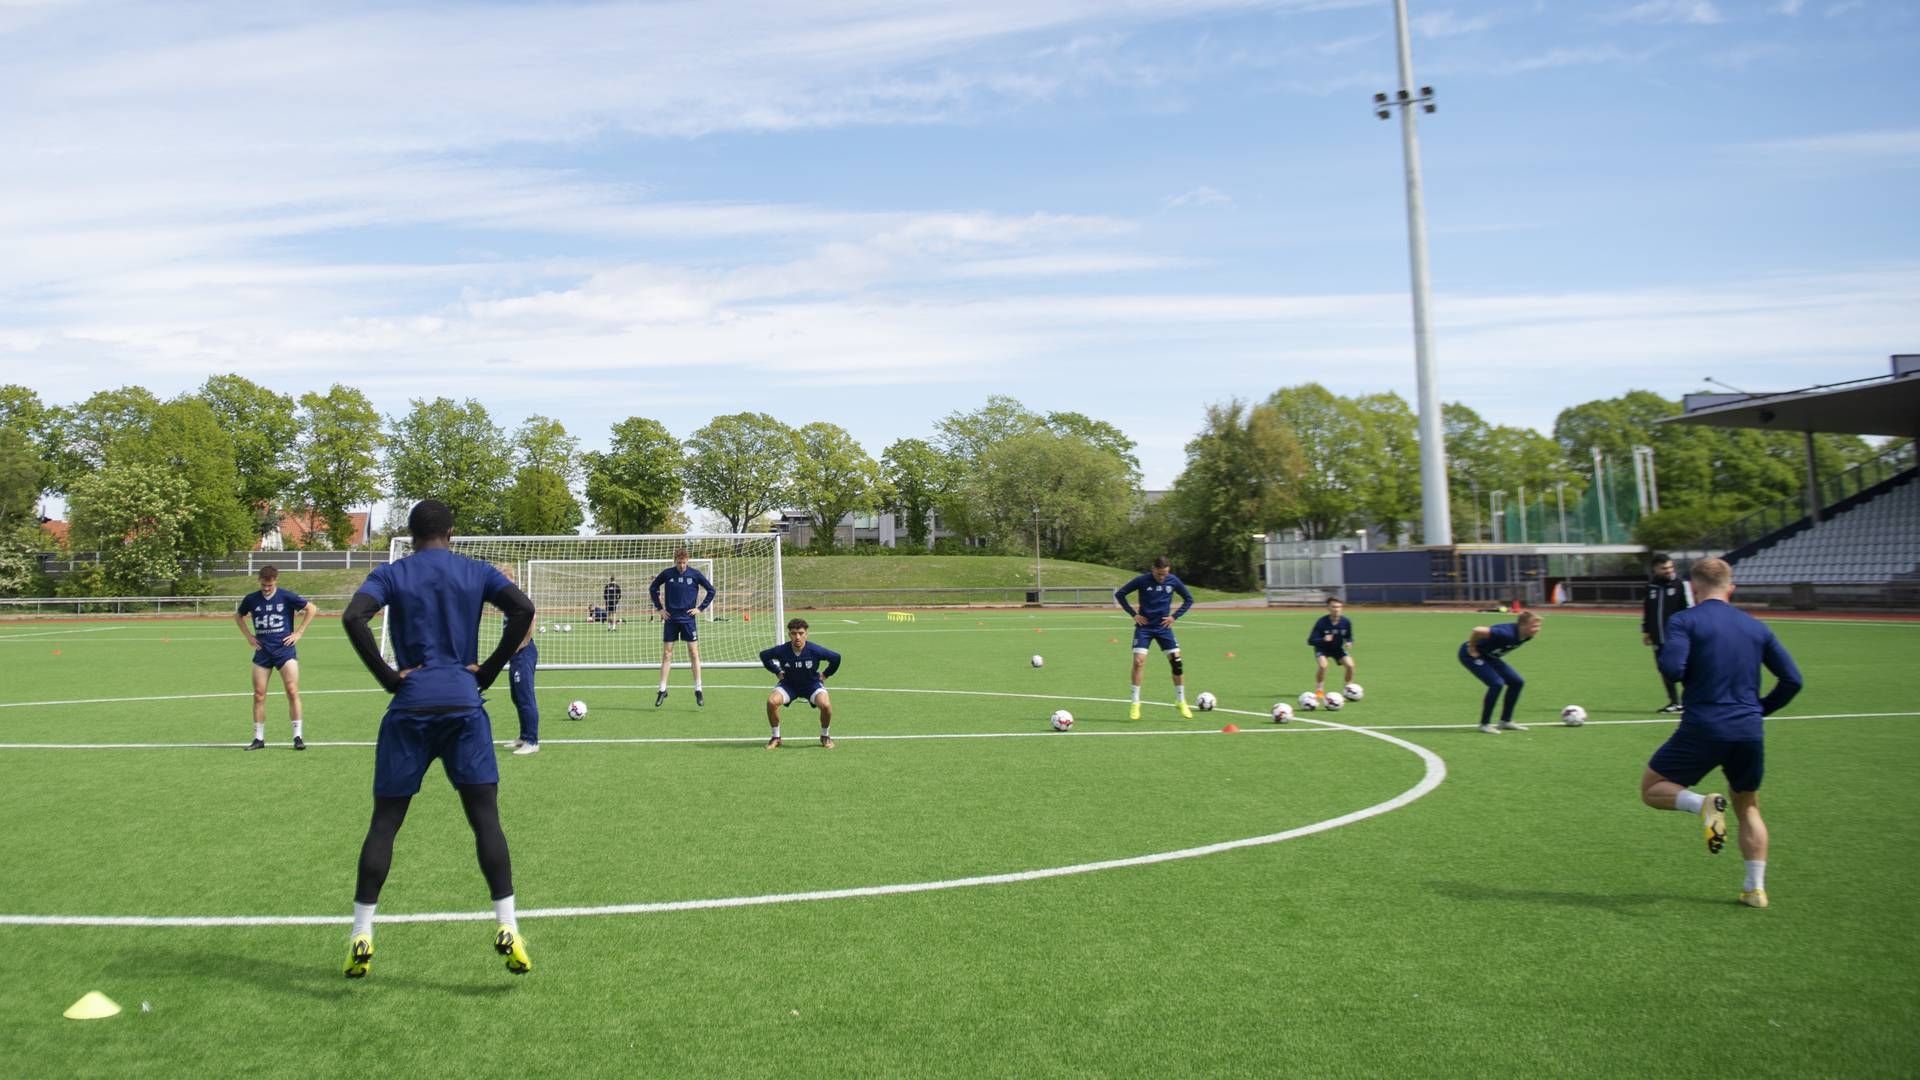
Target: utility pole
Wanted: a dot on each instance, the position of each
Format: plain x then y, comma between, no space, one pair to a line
1434,503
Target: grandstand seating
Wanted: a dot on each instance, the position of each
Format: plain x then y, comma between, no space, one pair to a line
1873,542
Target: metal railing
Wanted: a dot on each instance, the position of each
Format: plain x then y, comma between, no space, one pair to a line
239,562
178,606
1791,510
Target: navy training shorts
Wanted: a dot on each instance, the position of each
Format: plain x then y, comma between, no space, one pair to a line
680,628
1690,753
273,657
410,741
1142,635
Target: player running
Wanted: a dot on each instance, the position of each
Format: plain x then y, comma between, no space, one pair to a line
683,584
1483,657
268,609
1717,651
1332,641
1154,622
803,668
1665,598
433,599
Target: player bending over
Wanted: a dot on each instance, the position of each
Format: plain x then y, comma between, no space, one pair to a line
269,609
1483,657
683,584
803,668
1332,641
1716,651
1154,622
433,599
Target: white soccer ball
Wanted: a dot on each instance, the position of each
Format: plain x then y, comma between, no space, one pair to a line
1355,692
1573,716
1062,720
1282,712
1335,700
566,628
1038,660
1205,702
1309,702
576,710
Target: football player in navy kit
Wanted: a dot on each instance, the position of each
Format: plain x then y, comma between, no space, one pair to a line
803,668
683,585
264,617
1154,623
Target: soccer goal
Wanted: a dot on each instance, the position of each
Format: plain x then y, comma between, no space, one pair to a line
591,595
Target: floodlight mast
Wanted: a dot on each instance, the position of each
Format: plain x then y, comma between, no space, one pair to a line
1434,503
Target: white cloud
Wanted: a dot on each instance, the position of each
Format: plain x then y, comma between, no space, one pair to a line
1789,7
1846,145
1441,24
1698,12
1200,196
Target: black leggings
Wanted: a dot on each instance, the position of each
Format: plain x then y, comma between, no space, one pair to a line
480,801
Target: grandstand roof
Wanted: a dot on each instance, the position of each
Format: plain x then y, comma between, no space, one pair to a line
1889,405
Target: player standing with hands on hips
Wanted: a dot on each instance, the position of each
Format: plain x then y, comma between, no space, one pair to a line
269,609
1665,598
683,585
1154,623
433,599
1717,651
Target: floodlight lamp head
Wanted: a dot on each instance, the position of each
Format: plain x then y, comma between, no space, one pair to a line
1431,106
1426,91
1379,99
1401,94
1382,113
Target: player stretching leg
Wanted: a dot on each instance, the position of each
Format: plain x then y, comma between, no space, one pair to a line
803,668
268,609
1716,651
433,599
1482,657
683,585
1154,622
1332,641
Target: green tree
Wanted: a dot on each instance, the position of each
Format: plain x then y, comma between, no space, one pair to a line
1077,495
1242,476
737,466
265,431
1389,459
184,437
541,501
835,477
1098,434
135,515
1332,441
635,486
966,437
22,477
916,477
340,444
453,452
81,435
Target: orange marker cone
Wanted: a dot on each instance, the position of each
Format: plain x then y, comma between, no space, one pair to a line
1230,729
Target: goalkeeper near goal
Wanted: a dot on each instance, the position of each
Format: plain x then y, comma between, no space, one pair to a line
683,585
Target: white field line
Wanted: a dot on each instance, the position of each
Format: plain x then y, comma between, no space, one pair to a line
1435,773
62,633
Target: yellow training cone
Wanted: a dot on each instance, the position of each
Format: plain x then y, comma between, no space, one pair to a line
95,1006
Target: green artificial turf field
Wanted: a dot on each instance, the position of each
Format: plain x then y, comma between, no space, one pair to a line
1493,906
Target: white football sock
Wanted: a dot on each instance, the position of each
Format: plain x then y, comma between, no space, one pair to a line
1756,875
697,685
296,729
363,918
503,914
663,685
824,732
1689,802
260,731
776,731
1136,695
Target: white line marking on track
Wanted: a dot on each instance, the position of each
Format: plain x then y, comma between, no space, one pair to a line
61,633
1435,772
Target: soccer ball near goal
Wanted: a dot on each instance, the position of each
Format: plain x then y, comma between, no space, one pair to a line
1355,692
1206,701
1282,712
1573,716
1335,700
1038,660
1309,702
1062,720
576,710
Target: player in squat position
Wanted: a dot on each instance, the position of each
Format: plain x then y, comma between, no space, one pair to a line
433,599
1154,622
803,668
269,609
1716,651
1332,641
683,585
1483,657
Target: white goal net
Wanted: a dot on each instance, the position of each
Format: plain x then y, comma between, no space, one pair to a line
594,611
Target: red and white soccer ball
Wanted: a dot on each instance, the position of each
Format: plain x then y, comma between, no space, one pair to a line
1335,700
1355,692
576,710
1309,701
1282,712
1573,716
1062,720
1206,701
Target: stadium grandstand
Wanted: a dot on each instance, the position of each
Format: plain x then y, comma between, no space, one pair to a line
1856,541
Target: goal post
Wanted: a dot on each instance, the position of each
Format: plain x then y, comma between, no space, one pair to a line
570,580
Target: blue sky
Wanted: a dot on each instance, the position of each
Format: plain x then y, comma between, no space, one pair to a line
876,214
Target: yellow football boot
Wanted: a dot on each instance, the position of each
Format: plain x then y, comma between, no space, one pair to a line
508,943
359,956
